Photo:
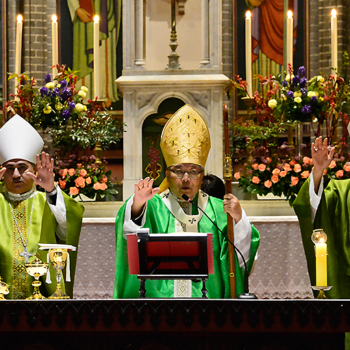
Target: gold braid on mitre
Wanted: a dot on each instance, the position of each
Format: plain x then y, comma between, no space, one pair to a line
185,138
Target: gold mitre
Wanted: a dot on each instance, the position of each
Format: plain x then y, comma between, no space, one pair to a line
185,138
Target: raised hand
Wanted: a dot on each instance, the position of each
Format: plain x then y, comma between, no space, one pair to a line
322,155
45,175
2,172
232,207
143,192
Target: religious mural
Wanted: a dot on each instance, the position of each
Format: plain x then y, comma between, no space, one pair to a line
268,42
77,51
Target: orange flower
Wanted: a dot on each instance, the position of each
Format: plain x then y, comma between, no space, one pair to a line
268,183
104,178
283,173
324,171
255,166
276,171
62,184
83,172
295,180
237,175
307,161
347,166
274,178
297,168
305,174
73,191
103,186
332,165
255,180
88,180
287,167
79,165
339,174
268,160
292,162
262,167
80,182
63,173
71,172
97,186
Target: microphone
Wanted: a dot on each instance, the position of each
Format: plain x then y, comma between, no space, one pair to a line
246,294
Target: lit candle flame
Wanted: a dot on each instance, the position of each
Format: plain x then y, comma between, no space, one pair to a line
290,14
96,19
54,18
334,13
19,18
248,14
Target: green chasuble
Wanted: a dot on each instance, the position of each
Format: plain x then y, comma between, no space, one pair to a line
333,217
42,230
160,220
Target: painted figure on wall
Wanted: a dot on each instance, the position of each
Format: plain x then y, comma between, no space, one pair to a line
82,13
268,18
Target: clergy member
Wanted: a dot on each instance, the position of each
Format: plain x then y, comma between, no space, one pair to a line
326,208
185,144
29,217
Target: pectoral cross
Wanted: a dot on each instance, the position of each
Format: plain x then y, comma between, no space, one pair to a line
26,255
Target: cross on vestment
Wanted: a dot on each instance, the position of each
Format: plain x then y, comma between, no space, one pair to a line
26,255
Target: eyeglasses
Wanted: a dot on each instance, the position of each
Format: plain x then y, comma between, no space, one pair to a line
192,174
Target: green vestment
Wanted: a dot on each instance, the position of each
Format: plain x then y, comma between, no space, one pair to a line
42,230
333,217
160,220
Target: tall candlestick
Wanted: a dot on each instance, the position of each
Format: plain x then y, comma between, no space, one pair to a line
96,56
289,46
334,42
18,47
54,44
321,264
248,51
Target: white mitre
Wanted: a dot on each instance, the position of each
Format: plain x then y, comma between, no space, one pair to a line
19,140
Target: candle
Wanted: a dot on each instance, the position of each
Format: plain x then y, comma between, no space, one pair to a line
18,47
96,57
321,264
289,45
248,51
54,44
334,42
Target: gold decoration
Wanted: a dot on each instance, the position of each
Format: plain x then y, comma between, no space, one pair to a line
36,269
185,138
4,289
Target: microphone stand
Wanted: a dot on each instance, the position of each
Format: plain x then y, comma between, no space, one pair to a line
246,294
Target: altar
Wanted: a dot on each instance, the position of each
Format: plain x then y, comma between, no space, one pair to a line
280,271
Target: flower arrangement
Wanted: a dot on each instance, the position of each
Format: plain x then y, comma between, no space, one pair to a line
85,176
279,104
281,172
58,110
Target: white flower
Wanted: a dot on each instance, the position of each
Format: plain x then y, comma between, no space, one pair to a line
311,94
272,103
297,94
297,100
320,78
82,93
84,88
79,107
50,85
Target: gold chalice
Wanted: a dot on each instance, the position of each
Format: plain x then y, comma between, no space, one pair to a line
4,289
58,257
36,268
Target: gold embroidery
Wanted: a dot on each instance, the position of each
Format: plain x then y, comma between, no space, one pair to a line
19,271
